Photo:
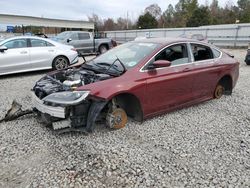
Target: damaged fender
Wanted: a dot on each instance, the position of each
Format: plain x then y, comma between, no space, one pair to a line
94,110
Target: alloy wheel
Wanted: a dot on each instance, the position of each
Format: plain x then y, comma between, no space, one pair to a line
61,63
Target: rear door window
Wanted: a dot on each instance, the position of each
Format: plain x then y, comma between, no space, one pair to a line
39,43
201,52
16,43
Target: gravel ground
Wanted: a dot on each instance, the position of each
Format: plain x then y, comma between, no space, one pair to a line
206,145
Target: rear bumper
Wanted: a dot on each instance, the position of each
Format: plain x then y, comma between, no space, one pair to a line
58,112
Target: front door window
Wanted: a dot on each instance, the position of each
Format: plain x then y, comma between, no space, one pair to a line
176,54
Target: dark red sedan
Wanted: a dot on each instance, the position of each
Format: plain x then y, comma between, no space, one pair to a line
139,79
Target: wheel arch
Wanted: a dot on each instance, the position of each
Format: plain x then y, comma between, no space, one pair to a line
227,82
131,104
59,56
103,44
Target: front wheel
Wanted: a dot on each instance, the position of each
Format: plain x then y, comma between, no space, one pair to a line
103,49
60,63
219,90
116,118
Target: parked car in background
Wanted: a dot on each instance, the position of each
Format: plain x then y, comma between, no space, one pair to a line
247,58
84,42
27,53
198,37
42,35
2,38
139,79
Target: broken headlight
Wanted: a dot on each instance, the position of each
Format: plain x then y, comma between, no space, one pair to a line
67,97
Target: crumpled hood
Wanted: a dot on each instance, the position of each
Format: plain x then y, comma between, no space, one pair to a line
67,80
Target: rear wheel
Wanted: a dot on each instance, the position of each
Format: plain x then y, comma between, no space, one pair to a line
60,62
219,90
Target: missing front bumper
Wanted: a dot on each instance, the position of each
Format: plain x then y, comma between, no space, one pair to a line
81,116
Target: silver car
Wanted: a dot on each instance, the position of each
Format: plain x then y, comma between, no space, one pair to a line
27,53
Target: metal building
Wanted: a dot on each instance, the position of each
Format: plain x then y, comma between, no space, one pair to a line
45,22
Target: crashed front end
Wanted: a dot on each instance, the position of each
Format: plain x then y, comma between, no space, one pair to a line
58,102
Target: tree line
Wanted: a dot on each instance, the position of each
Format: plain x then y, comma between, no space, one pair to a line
186,13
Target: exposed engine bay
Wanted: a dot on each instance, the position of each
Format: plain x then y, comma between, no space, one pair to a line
67,80
61,87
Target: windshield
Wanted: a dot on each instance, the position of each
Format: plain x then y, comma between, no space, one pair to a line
130,54
62,35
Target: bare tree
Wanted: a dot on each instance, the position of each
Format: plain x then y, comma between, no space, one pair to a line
154,10
109,25
98,21
122,23
229,4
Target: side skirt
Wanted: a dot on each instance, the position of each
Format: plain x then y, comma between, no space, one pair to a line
185,105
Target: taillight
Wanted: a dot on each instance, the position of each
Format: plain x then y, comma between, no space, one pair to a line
73,49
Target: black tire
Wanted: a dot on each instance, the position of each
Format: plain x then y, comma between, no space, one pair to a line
248,62
103,48
60,63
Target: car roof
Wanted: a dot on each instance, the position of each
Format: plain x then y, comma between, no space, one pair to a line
75,32
32,37
165,41
21,37
26,37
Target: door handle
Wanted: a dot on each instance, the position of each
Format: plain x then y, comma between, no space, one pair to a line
186,69
23,52
51,50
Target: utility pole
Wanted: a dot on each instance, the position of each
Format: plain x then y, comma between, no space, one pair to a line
127,20
23,29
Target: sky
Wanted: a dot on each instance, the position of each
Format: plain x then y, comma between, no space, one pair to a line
81,9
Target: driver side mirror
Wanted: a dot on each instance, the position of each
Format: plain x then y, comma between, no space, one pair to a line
68,40
159,64
3,48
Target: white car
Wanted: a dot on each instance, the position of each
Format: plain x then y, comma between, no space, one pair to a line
27,53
